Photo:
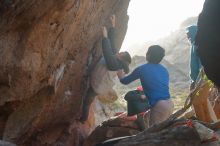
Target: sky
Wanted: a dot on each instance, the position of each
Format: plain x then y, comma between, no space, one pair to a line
154,19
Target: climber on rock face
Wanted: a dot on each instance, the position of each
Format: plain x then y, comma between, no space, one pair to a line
104,74
195,64
155,82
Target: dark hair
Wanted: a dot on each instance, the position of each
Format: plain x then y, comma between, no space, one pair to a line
125,60
126,57
155,54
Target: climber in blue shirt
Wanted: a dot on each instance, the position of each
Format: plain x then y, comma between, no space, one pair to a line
154,79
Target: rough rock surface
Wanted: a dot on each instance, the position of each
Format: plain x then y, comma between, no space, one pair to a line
113,128
4,143
180,136
46,51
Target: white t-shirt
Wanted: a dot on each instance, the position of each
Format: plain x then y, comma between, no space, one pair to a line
103,80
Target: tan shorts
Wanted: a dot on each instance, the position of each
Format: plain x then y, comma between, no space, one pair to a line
161,111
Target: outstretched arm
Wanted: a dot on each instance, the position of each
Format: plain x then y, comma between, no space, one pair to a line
111,34
111,60
130,78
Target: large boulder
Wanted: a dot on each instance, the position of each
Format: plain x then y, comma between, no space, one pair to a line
47,49
112,128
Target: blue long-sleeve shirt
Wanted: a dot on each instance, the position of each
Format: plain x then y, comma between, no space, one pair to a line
195,64
154,79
